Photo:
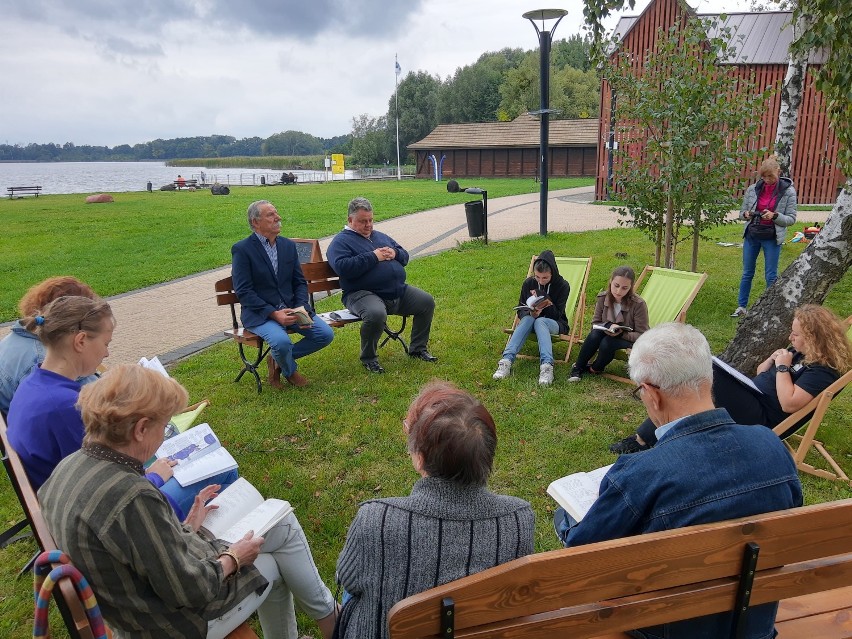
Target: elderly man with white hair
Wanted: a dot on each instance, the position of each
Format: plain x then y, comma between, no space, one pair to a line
704,468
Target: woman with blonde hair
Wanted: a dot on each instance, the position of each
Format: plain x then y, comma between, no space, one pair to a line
154,576
785,381
769,207
21,350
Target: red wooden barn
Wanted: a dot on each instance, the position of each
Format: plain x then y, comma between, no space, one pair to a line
762,44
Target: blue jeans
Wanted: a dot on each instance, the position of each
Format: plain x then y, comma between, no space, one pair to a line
771,254
544,327
284,351
184,496
562,523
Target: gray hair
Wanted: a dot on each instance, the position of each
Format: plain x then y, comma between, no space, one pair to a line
675,357
253,212
359,204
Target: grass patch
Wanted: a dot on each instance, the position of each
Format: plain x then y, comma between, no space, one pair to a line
339,441
149,238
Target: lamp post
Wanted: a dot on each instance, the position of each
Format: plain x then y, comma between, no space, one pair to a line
544,39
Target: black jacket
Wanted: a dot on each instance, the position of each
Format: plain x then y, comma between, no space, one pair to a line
557,290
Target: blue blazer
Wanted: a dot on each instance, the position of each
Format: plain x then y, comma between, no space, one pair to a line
260,290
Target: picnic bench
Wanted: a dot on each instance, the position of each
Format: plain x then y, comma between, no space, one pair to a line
801,557
22,190
179,184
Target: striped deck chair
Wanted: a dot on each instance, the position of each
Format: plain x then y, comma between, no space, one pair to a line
575,270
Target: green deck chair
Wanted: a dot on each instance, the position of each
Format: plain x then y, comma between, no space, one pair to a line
575,270
668,294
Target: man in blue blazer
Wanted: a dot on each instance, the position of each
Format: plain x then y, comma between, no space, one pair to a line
269,282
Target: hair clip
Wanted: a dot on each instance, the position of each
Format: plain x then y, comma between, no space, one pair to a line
39,320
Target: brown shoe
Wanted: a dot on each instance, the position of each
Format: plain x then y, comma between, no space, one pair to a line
297,379
274,377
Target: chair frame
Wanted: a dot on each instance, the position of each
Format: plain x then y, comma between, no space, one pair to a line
679,317
576,321
814,411
227,296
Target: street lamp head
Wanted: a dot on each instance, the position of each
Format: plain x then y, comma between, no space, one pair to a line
543,15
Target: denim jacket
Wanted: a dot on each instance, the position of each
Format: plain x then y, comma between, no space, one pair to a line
704,469
20,352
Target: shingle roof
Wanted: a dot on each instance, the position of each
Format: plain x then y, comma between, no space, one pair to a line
523,131
758,38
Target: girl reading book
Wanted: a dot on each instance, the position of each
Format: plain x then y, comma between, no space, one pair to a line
541,308
616,308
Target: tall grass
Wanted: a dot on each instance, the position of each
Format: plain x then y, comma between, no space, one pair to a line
340,441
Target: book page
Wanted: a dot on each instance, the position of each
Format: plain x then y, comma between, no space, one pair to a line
189,445
154,364
188,472
234,503
260,520
733,372
342,315
577,492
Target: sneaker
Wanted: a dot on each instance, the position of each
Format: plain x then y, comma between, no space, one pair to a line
739,312
373,367
545,375
503,368
576,374
627,446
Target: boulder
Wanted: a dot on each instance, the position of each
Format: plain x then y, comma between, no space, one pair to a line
100,197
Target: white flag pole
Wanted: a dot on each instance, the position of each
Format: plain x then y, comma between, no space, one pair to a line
396,97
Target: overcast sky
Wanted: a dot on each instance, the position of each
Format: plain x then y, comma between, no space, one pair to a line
110,72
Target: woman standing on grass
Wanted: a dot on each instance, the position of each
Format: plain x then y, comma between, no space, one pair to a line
618,306
449,527
769,207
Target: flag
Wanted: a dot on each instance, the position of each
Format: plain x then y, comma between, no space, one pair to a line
398,68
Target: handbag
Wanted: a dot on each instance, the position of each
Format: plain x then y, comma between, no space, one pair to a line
758,231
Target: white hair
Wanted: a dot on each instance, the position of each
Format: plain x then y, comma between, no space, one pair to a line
675,357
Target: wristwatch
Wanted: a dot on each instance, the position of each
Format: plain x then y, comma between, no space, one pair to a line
782,369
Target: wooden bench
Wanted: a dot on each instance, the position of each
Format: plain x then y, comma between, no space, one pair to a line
322,280
801,557
185,184
23,190
69,604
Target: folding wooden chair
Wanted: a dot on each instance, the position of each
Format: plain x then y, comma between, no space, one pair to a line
575,270
812,415
668,294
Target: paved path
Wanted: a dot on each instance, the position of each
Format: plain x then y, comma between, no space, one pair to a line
180,317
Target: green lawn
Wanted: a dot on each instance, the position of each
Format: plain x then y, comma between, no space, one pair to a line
339,441
148,238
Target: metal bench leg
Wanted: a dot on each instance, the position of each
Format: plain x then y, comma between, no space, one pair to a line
397,335
251,367
10,535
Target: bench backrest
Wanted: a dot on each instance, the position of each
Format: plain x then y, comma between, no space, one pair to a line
321,278
227,296
641,581
73,612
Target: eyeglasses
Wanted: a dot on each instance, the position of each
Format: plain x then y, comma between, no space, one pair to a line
639,388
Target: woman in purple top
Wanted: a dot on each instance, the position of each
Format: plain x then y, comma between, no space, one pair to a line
44,423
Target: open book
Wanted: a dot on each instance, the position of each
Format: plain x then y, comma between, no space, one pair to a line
342,315
302,315
733,372
611,327
242,508
577,492
535,303
154,364
199,455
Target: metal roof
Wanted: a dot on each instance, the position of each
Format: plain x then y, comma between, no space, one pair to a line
758,38
523,131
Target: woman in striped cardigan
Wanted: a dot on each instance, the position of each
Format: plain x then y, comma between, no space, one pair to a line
450,526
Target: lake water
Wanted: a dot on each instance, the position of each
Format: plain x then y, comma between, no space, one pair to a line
115,177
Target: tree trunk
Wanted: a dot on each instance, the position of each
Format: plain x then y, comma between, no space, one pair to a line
792,90
669,226
808,280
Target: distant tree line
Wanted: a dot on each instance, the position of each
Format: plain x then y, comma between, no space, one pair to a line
499,86
211,146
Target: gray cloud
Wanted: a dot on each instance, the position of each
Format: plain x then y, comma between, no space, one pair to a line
295,19
123,46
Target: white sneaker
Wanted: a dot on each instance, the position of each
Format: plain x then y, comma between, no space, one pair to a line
503,368
739,312
545,375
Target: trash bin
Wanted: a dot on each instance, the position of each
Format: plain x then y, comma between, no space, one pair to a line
475,213
263,180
